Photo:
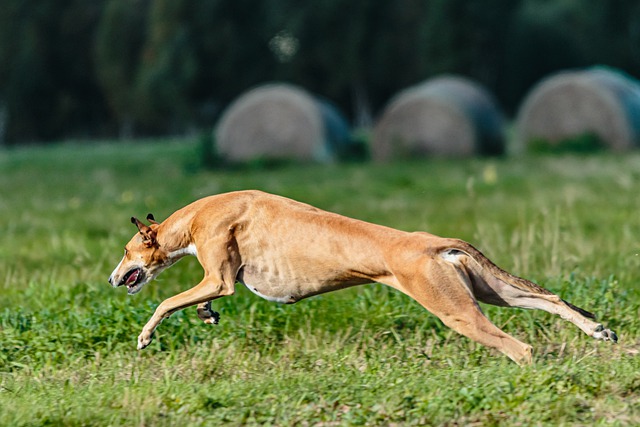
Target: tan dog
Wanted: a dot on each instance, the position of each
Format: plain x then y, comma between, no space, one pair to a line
284,251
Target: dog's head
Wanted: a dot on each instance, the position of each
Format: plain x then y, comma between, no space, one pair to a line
143,258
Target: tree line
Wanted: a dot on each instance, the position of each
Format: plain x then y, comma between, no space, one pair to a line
128,68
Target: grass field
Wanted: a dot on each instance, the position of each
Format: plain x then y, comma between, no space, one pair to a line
363,356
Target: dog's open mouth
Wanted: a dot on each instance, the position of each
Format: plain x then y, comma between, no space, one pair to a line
133,280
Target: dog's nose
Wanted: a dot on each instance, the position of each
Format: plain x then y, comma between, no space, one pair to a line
110,280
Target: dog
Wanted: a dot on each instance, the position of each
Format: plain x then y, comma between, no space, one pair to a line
284,251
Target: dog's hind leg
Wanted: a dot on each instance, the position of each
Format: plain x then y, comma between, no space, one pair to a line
446,293
493,285
498,292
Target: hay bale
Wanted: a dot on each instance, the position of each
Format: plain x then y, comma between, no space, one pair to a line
280,121
446,116
574,104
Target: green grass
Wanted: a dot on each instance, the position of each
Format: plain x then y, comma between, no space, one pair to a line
363,356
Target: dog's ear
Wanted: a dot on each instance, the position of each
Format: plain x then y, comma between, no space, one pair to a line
152,220
147,233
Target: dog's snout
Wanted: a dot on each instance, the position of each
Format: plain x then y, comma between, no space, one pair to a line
112,281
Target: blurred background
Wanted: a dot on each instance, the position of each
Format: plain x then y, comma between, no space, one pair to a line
121,69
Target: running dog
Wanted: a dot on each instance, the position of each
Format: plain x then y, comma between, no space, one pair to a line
285,251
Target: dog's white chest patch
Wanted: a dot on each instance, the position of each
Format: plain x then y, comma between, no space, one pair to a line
189,250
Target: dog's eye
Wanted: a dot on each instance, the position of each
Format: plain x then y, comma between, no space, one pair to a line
126,252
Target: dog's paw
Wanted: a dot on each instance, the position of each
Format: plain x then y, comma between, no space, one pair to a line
144,339
213,320
207,315
605,334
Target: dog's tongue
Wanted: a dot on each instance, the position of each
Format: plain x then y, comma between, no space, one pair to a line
132,278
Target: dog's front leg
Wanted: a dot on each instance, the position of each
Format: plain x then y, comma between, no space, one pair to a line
208,289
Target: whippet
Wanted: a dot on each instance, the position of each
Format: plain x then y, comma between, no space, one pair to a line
285,251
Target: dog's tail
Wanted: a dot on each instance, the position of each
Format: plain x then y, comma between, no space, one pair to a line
486,266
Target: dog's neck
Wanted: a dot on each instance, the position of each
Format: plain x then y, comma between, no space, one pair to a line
175,240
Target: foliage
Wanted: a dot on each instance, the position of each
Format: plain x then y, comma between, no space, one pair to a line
585,143
77,68
118,47
363,356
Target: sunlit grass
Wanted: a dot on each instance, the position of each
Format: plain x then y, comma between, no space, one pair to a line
366,355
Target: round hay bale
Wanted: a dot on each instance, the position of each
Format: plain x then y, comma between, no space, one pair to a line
280,122
574,104
446,116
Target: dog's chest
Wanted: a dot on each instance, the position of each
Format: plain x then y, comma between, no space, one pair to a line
283,285
271,283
